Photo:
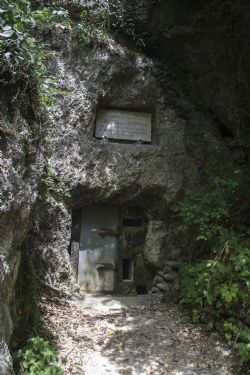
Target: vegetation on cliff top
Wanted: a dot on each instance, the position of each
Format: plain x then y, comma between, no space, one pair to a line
26,24
24,51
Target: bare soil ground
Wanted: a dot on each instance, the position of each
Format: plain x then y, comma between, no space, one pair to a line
130,335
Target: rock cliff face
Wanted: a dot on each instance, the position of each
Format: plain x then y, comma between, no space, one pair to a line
117,173
48,242
205,44
21,166
149,176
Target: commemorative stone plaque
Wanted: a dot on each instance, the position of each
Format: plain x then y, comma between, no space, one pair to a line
124,125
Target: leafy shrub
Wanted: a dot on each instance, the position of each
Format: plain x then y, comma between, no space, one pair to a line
23,52
24,23
217,289
37,358
93,24
210,209
46,18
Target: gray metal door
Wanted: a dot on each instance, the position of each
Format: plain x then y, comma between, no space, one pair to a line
98,248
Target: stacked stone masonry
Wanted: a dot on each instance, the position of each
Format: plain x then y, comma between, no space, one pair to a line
165,277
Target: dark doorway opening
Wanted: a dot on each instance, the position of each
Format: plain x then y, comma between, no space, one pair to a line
127,269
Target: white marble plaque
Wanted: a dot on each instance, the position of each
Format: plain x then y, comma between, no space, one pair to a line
125,125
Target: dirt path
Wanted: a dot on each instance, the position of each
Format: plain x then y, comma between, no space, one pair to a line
131,335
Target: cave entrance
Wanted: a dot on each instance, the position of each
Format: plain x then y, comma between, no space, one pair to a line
107,249
98,248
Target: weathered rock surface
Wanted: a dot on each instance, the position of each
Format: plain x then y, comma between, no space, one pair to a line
155,290
155,242
171,264
21,166
167,269
163,287
48,242
146,175
150,176
191,39
165,277
5,359
158,279
171,276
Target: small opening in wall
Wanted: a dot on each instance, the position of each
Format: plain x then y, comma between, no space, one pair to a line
127,269
224,130
133,222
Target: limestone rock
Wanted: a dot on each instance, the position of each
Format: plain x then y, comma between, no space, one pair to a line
5,359
160,273
48,243
164,287
167,269
158,279
155,242
171,276
155,290
21,166
118,173
174,265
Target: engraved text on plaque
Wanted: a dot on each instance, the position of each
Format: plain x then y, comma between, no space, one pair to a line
124,125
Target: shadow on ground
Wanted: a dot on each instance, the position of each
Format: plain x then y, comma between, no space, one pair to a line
140,335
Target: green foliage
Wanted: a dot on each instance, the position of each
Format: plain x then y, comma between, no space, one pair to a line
217,289
38,357
22,52
24,25
46,18
93,24
210,209
55,186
